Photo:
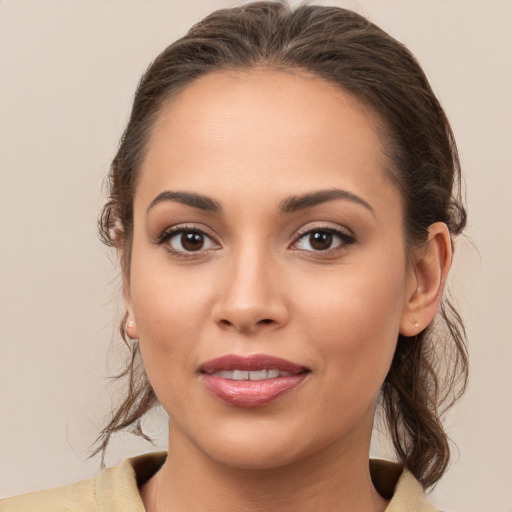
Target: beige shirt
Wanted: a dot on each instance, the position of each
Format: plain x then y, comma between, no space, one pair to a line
117,490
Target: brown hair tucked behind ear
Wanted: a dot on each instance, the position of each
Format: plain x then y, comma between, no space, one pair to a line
429,372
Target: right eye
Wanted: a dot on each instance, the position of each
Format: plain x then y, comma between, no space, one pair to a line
183,240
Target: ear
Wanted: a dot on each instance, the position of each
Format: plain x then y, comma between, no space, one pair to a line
427,279
130,326
124,262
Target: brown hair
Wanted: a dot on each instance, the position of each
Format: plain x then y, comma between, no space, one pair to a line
428,373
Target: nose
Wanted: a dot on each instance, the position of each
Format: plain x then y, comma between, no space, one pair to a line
251,295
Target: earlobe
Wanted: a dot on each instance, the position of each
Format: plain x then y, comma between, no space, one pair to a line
131,329
432,261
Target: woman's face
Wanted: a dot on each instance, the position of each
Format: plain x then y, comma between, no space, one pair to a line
268,246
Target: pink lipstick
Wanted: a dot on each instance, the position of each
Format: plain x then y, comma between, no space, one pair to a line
251,381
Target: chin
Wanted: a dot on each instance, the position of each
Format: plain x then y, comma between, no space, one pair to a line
260,445
264,446
253,457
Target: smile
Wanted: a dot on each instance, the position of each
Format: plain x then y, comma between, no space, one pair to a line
253,381
251,374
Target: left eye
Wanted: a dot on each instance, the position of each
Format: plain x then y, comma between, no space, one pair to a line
322,240
190,241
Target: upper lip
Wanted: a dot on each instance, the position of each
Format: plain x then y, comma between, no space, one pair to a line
253,362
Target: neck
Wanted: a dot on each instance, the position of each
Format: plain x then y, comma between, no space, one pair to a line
334,478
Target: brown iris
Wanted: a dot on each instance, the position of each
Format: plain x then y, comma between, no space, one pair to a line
192,240
320,240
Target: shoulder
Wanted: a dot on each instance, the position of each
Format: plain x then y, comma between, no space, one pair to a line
399,486
78,496
113,489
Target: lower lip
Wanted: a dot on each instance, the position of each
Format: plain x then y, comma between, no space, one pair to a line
251,393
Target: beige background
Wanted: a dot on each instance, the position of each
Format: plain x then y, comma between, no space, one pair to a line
68,70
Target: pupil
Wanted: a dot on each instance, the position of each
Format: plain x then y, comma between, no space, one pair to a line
321,240
192,241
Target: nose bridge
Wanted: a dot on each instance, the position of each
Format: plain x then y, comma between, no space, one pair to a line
250,295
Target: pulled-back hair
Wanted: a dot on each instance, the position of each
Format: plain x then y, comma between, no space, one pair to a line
428,372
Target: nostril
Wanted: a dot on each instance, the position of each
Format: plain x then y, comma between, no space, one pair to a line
247,327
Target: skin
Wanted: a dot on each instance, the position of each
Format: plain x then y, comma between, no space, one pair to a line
250,141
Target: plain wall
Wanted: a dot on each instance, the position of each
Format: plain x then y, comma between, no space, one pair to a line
68,70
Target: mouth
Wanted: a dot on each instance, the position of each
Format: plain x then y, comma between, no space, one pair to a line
252,381
271,373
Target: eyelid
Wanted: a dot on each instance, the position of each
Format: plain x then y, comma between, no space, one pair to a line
172,231
346,236
324,226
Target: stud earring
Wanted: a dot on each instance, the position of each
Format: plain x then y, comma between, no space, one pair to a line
130,325
415,323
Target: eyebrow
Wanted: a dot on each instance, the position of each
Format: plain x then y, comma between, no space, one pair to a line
189,198
290,205
302,202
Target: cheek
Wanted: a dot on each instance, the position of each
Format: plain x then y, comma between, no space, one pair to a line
169,316
164,298
170,310
354,320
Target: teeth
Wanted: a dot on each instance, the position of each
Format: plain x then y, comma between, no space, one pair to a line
258,375
251,374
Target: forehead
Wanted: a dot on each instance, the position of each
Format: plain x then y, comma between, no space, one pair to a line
290,130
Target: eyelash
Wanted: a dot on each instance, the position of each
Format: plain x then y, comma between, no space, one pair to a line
344,239
170,233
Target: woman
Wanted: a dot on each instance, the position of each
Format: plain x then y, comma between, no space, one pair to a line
284,202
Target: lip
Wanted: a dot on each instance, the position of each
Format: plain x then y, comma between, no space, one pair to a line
251,393
253,362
